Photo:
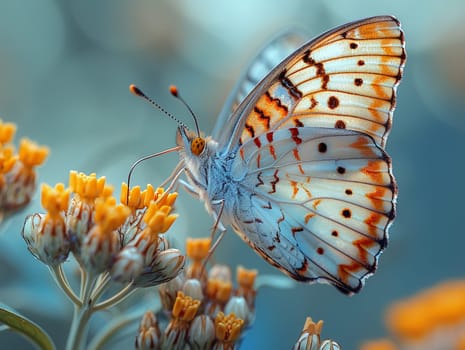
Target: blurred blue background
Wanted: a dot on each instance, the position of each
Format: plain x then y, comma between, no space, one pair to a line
65,67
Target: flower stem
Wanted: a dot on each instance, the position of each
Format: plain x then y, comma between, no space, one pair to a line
117,298
81,317
82,313
112,330
101,286
62,281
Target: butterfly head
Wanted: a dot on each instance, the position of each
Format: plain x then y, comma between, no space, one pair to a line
197,146
194,145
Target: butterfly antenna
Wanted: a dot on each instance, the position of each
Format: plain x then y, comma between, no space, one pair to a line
138,92
174,91
140,160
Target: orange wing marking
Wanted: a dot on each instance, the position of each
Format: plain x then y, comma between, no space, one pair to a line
308,216
375,170
362,144
316,203
374,31
361,263
295,189
372,221
267,112
375,196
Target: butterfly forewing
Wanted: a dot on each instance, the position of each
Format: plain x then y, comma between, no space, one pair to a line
311,157
269,57
345,79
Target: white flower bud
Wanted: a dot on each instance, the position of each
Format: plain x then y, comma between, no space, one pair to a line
193,288
220,272
149,333
308,342
46,239
330,345
201,333
169,290
128,265
238,306
98,249
165,267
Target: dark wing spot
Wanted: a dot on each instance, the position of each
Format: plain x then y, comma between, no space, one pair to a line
340,124
353,46
269,137
349,191
322,148
250,129
307,58
298,123
346,213
361,62
295,135
358,81
335,233
296,230
274,182
325,81
293,90
333,102
313,103
268,206
260,180
261,114
320,250
341,170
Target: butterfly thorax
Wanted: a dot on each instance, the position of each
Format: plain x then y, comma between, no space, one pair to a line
209,172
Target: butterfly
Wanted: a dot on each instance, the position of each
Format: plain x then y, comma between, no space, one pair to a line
296,162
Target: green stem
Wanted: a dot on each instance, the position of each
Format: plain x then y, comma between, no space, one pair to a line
115,327
62,281
78,328
112,329
82,313
84,281
117,298
101,286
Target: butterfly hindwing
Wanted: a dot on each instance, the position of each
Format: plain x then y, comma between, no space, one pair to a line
334,193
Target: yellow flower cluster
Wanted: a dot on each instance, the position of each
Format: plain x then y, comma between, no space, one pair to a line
420,315
206,310
103,235
54,199
431,319
310,338
228,328
17,170
381,344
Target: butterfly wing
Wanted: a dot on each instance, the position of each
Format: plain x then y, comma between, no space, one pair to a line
317,203
268,58
317,191
345,78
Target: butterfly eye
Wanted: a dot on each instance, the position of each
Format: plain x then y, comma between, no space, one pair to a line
197,146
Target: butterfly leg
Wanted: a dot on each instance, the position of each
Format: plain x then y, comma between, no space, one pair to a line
174,174
217,226
189,189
